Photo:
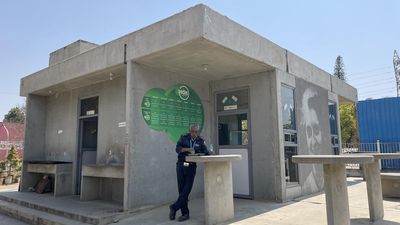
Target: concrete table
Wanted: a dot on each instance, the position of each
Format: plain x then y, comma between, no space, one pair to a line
336,195
372,175
218,190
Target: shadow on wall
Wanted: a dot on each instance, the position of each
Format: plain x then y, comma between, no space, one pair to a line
363,221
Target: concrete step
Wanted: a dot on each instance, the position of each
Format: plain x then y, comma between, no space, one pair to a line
33,216
68,215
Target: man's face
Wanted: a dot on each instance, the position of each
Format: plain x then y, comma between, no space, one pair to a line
194,132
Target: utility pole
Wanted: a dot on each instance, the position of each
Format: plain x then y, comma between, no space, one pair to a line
396,65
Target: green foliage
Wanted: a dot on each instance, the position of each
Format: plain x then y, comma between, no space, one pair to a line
2,166
338,70
348,123
13,160
15,115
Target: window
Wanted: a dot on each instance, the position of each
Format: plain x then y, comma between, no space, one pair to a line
233,100
288,113
89,106
291,172
333,127
232,129
289,133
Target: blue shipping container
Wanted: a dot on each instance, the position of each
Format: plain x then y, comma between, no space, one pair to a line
379,119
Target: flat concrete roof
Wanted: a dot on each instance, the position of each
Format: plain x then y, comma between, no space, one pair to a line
183,43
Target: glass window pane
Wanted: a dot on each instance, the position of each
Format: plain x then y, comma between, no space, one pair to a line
288,108
233,100
291,169
89,106
232,130
333,118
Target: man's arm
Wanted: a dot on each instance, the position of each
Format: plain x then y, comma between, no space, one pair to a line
204,148
179,146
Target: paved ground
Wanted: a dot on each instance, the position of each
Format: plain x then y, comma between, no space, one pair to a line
12,187
306,211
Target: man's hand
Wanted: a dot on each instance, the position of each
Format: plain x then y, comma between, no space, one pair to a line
190,150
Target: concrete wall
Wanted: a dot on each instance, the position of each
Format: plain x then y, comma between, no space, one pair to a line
150,173
313,132
69,51
62,121
35,127
263,124
53,127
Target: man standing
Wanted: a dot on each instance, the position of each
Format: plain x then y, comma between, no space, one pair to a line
186,171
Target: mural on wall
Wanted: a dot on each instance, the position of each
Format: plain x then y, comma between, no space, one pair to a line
311,122
313,131
172,110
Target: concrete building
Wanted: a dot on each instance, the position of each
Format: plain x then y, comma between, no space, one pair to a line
114,111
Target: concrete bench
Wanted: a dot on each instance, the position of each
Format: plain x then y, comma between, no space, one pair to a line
93,186
62,172
391,185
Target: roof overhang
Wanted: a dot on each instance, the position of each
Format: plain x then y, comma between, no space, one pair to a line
183,43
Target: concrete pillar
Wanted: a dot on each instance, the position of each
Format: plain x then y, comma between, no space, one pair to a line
34,145
374,189
337,201
218,192
128,181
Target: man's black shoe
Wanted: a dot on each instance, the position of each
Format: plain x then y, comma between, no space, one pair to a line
183,217
172,213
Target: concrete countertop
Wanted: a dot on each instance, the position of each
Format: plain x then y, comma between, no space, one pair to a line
333,159
213,158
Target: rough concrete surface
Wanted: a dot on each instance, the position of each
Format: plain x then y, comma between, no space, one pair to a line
5,220
303,211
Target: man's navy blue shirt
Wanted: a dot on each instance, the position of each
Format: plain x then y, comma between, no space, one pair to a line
198,144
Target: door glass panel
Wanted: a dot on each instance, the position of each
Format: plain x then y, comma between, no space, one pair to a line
233,130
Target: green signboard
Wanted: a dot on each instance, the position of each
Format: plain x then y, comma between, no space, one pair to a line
172,110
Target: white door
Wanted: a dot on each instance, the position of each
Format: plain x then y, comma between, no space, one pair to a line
240,171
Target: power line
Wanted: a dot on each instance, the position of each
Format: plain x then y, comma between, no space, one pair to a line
375,84
371,75
368,71
377,92
386,80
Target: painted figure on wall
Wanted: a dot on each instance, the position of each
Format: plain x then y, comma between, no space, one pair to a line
311,123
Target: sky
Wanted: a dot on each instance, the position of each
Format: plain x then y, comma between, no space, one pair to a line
364,32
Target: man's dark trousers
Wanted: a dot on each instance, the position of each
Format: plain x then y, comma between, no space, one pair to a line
185,176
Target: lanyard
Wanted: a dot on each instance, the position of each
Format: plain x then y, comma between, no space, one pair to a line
192,143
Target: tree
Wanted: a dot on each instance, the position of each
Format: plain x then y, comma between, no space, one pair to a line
15,115
348,123
13,160
338,70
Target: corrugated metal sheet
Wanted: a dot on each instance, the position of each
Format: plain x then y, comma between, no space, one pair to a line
379,119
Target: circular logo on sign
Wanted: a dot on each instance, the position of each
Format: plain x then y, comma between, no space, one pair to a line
183,92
